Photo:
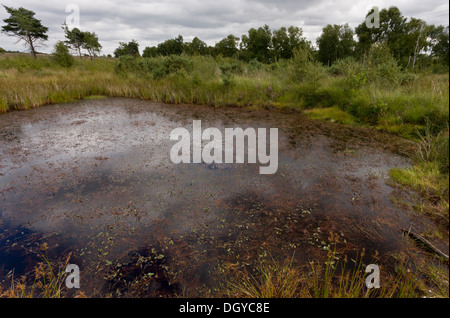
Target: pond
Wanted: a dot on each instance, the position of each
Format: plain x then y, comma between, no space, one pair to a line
94,178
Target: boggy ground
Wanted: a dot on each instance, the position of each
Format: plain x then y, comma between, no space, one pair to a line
94,178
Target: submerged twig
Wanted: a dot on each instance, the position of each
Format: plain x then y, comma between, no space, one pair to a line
426,243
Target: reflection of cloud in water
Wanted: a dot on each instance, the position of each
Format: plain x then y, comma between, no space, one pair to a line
95,131
103,166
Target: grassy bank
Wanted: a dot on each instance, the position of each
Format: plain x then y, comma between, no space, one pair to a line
399,103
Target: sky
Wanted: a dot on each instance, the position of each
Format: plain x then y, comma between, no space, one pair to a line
154,21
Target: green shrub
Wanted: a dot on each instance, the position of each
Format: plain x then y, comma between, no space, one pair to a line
160,72
62,56
227,76
232,66
175,63
124,65
157,67
344,67
255,66
303,68
204,69
407,78
356,80
171,65
381,67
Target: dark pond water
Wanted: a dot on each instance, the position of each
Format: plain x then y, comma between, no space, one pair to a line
94,178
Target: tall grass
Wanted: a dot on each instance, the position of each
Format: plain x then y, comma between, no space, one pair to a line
47,282
401,105
430,175
331,279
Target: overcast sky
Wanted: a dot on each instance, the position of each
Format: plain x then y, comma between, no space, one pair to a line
151,22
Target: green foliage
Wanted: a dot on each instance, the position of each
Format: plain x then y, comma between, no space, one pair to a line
352,71
434,147
344,67
304,69
429,175
406,39
74,38
232,66
62,56
286,41
24,63
175,63
368,112
257,44
196,47
204,69
440,49
361,88
335,42
227,75
23,25
331,114
228,46
91,44
254,66
150,51
335,278
171,47
155,67
130,48
377,67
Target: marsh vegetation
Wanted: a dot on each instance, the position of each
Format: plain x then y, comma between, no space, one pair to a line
343,105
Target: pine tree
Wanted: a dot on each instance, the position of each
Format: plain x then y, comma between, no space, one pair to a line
23,25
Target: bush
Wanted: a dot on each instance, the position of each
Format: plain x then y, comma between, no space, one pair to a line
381,67
175,63
160,72
157,67
254,66
440,69
62,56
304,69
227,75
124,65
346,66
204,69
407,78
172,64
232,66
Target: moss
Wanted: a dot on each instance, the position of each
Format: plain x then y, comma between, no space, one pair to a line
331,114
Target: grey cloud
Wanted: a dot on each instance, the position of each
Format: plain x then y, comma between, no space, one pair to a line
151,22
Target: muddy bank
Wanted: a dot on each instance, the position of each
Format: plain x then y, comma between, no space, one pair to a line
95,178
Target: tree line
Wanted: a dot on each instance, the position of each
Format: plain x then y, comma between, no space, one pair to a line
408,40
